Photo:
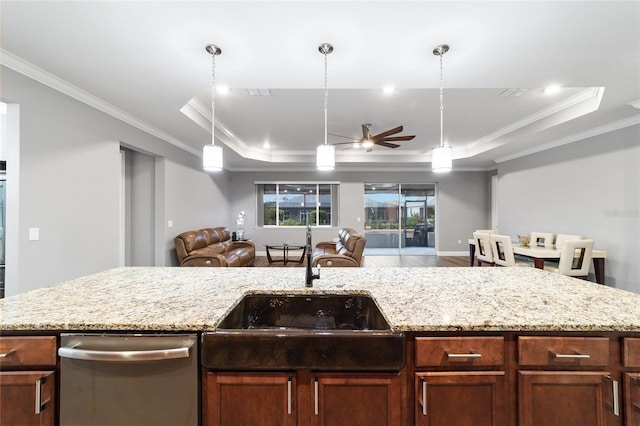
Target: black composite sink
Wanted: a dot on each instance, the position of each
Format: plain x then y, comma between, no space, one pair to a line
317,332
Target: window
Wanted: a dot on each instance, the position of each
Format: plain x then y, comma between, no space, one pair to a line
297,204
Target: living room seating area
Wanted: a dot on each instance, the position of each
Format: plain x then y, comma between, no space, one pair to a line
347,251
213,247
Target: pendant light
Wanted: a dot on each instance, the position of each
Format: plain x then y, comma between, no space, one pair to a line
441,156
212,154
325,153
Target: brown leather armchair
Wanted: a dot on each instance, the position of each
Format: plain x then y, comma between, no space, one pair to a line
347,251
213,247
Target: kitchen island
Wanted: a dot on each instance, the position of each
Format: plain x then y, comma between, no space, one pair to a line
509,341
412,299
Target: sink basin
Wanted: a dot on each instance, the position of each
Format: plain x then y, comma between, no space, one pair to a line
318,332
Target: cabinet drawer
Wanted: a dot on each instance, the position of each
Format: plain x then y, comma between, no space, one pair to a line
459,351
631,352
563,351
27,351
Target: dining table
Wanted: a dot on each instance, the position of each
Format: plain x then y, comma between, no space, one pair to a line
539,254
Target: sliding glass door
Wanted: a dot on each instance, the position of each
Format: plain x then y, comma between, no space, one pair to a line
399,218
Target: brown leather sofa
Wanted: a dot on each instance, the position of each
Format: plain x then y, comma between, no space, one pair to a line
213,247
345,252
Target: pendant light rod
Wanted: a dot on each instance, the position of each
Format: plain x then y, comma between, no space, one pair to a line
440,51
213,51
441,156
212,154
325,153
325,49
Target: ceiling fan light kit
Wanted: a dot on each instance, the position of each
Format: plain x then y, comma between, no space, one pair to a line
212,156
325,154
441,156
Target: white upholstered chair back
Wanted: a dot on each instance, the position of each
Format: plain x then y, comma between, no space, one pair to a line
561,238
483,247
544,239
575,258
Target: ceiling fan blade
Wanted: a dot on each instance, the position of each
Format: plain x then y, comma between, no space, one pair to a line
399,138
388,133
365,132
341,136
387,144
346,143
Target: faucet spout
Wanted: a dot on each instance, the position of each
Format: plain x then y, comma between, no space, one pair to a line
310,276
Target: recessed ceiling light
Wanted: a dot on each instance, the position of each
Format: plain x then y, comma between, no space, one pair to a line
552,89
222,90
387,90
266,144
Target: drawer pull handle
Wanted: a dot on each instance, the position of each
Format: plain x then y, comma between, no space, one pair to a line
458,356
424,397
40,405
289,396
6,354
616,404
315,392
570,356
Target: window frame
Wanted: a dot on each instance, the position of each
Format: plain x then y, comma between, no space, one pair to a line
334,188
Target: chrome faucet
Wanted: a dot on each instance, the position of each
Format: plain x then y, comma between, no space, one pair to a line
310,276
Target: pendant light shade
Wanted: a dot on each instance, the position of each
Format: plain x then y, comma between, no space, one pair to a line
326,157
212,153
325,153
441,158
212,159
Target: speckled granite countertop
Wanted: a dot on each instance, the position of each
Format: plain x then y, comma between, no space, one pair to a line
412,299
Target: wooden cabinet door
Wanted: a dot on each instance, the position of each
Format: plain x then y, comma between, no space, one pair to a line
632,399
26,398
354,399
561,398
461,398
251,399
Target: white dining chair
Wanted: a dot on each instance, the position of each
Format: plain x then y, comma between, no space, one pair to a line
544,239
575,258
502,249
484,253
561,238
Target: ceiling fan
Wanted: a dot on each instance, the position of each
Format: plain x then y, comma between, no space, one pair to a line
381,139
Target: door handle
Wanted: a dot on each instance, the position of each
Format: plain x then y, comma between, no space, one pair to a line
39,403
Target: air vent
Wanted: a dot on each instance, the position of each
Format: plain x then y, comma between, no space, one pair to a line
259,92
513,92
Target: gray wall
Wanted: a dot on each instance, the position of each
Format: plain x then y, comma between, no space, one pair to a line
589,188
68,177
463,204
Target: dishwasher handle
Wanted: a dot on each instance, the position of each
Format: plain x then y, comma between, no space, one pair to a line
124,356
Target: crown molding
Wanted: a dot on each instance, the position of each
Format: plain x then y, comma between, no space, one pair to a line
27,69
596,131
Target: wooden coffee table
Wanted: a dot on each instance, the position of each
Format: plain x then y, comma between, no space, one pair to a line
285,252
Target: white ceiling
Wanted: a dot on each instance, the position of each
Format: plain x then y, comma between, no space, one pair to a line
145,61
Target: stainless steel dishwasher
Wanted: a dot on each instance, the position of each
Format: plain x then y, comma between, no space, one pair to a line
128,379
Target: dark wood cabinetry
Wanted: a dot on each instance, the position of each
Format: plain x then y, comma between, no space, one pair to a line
463,398
27,387
566,380
251,399
303,398
560,398
461,381
357,399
